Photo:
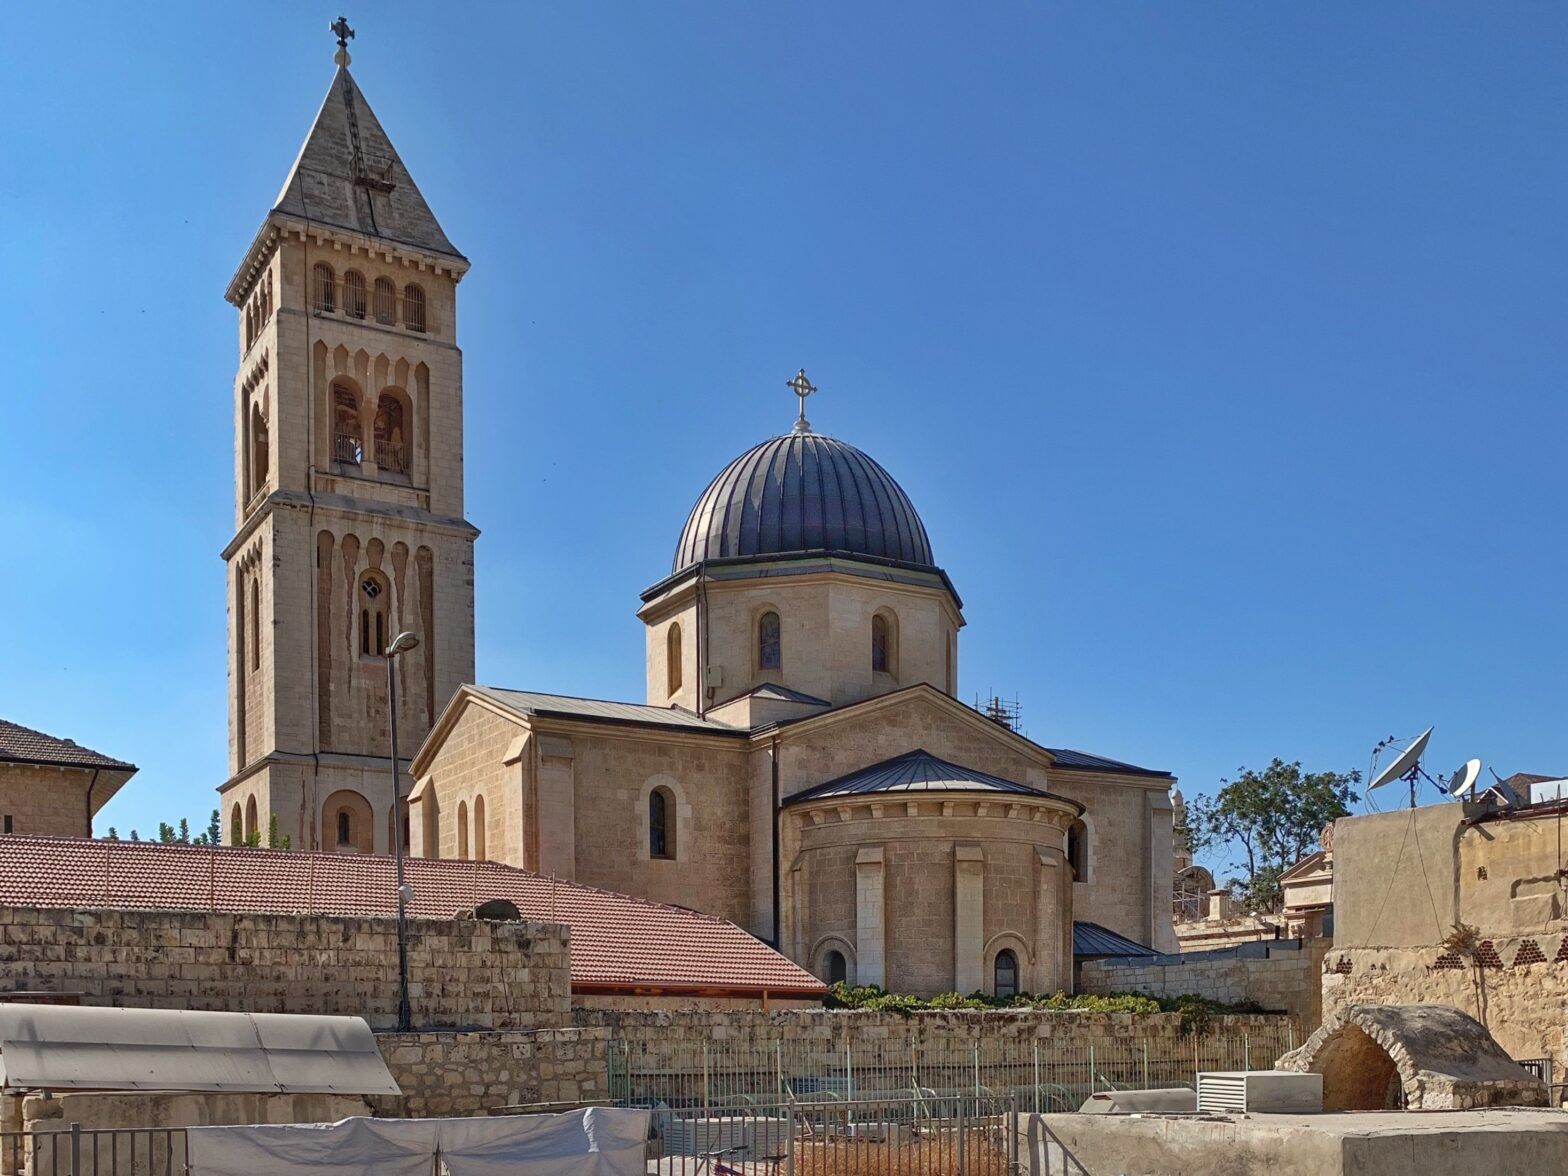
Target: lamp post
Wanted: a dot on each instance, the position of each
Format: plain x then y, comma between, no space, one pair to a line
402,643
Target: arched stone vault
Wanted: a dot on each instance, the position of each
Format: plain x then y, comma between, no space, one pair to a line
1437,1056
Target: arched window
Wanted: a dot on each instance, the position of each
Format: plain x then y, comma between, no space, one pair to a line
354,294
879,651
1004,974
672,658
462,830
347,437
255,623
386,301
1078,850
258,450
345,828
251,822
661,824
836,967
391,435
479,828
770,653
236,826
323,287
413,307
348,824
374,614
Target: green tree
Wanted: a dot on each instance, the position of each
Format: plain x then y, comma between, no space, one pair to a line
1264,822
214,833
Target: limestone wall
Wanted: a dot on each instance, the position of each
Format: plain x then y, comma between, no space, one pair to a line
475,1073
45,801
1285,981
1517,986
494,975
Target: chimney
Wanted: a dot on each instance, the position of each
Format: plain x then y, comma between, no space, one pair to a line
1220,906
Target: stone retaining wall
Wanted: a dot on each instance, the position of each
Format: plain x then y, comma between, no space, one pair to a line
476,1073
462,973
1286,981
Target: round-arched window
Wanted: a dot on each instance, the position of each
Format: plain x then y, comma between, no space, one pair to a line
1005,974
836,967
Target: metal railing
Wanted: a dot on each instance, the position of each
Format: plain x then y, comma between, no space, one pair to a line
346,448
1054,1073
924,1134
390,456
73,1150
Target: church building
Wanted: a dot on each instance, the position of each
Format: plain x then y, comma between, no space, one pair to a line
801,765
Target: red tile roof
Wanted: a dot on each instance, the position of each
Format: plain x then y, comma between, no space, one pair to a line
23,745
616,940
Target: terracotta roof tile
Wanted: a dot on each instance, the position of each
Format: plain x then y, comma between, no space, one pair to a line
615,939
23,745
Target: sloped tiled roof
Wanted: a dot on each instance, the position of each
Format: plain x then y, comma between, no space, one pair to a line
1082,761
616,940
600,710
1091,939
23,745
914,771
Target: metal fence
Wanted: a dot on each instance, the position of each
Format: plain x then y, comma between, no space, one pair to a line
76,1151
958,1135
1040,1073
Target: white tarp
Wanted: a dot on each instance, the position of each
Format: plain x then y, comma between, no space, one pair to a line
599,1141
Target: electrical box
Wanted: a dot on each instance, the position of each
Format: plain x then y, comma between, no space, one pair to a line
1281,1092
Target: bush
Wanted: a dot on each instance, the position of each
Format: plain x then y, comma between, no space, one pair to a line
1196,1012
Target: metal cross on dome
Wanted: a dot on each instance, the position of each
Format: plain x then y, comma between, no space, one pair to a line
344,33
803,388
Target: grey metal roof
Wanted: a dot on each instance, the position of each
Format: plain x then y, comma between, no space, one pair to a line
349,175
55,1047
914,771
1066,757
1091,939
564,706
784,694
798,493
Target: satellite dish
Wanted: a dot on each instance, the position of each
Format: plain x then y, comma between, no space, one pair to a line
1462,781
1404,763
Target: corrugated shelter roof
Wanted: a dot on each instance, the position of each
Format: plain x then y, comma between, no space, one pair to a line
563,706
914,771
1091,939
1082,761
23,745
803,492
54,1047
616,940
350,176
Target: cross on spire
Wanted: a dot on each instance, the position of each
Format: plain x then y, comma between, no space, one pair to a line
803,388
344,35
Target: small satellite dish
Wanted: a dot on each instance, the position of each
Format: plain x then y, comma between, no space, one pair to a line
1404,763
1462,781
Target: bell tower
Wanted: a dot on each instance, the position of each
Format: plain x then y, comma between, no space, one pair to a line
348,425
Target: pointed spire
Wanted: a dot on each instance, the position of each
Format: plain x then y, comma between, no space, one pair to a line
349,176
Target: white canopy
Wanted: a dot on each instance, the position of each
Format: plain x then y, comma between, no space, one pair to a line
59,1047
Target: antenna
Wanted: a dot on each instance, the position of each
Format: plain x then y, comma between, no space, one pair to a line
1463,781
1406,766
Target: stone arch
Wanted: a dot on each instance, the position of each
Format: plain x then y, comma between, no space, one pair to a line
767,639
462,830
678,828
392,427
1019,946
820,953
1078,848
1421,1057
884,642
252,820
348,822
236,825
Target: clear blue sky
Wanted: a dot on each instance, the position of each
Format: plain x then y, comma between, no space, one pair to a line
1221,346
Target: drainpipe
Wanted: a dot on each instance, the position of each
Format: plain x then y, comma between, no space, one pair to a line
702,646
773,756
91,784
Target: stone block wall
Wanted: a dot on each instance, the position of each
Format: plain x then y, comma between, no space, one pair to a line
477,1073
1285,981
462,974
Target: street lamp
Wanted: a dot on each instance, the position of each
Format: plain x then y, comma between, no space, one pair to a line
402,643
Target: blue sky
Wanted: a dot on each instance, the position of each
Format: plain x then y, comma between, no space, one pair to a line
1221,346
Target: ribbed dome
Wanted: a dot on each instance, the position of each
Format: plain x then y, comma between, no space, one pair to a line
803,492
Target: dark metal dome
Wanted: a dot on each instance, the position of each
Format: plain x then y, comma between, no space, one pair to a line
803,492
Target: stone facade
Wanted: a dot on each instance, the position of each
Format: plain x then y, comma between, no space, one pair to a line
1287,981
465,973
1455,904
39,799
348,510
478,1073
